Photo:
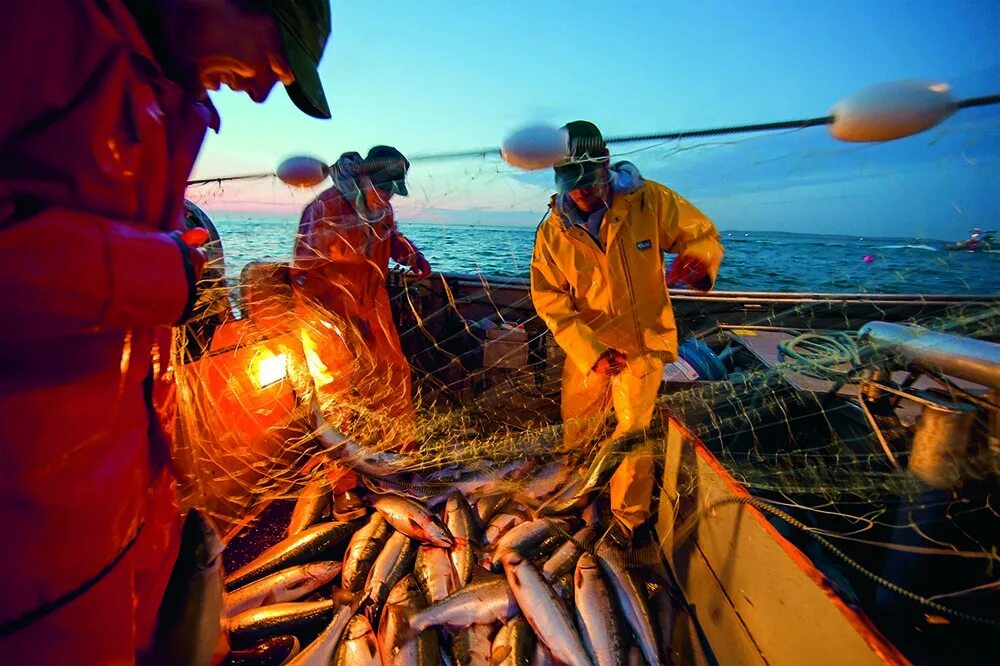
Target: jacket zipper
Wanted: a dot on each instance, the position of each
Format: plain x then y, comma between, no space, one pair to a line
631,295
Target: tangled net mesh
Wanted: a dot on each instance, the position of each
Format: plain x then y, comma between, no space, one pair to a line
255,366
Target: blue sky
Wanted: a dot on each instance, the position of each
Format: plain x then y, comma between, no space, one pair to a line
442,76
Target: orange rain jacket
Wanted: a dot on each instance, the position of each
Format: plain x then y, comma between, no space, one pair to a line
614,294
96,145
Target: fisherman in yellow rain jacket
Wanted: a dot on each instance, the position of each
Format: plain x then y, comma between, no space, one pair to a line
598,282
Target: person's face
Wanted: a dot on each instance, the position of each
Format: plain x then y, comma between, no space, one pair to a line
233,46
592,197
377,199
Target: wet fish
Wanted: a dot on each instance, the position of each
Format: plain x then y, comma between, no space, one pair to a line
434,572
630,598
189,622
605,462
394,562
363,549
273,651
489,506
460,520
287,618
596,614
289,584
564,559
477,603
518,644
414,520
500,525
545,612
546,481
307,546
369,461
320,651
665,613
471,646
312,506
395,642
527,537
358,646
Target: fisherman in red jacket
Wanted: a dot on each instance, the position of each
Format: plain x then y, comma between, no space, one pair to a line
346,237
104,111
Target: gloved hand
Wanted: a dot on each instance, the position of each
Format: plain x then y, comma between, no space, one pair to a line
195,258
690,270
191,241
402,250
420,267
611,362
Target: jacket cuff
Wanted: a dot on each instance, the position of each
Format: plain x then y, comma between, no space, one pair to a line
152,279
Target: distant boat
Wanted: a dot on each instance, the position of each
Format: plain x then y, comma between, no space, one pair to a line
978,241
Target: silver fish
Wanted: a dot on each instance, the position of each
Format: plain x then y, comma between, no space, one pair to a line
500,525
471,646
306,546
630,598
287,618
396,645
273,651
363,549
358,646
364,459
189,622
665,613
545,612
514,644
564,559
414,520
542,656
460,520
320,651
489,506
394,562
435,573
311,507
526,537
597,615
287,585
478,603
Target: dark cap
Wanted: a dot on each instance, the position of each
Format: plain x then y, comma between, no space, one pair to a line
386,168
588,157
305,27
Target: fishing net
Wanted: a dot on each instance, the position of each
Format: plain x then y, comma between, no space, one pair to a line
813,424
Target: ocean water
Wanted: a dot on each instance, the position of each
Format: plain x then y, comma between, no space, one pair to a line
755,261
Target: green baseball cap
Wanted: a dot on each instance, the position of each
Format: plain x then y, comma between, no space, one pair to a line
305,27
588,157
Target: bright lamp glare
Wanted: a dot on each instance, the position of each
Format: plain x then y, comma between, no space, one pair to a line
271,369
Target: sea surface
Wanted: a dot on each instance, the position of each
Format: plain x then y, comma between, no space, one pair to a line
755,260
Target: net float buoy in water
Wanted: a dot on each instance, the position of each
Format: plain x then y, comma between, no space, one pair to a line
868,259
535,147
891,111
302,171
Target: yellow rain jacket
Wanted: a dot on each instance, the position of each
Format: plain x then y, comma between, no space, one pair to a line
613,294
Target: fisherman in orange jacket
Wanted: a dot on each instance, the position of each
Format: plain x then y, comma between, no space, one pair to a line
599,284
105,109
346,238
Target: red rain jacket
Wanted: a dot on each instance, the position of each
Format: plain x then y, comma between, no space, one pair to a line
96,145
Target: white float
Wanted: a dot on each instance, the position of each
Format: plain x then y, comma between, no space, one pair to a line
891,111
302,171
535,147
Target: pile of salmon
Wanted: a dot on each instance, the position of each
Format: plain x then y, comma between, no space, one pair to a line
460,583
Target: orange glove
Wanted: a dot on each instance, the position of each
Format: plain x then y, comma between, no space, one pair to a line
690,270
611,362
192,240
190,243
